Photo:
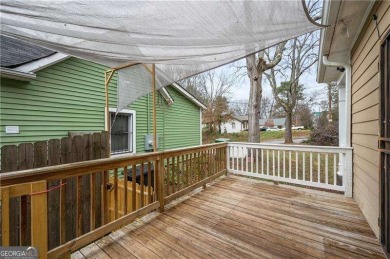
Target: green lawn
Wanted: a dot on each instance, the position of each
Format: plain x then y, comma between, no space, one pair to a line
243,136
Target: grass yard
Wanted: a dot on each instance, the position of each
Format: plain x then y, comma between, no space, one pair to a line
243,136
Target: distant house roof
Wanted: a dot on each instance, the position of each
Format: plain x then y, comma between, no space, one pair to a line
14,52
241,117
276,121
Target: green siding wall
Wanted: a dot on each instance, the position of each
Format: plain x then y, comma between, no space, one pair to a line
69,96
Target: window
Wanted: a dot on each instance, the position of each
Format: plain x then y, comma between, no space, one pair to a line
122,131
233,125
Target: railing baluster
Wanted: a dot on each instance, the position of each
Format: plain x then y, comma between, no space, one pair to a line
246,159
183,176
252,160
79,211
267,161
257,161
125,180
284,164
116,193
262,161
236,154
273,162
304,165
141,184
134,188
296,164
199,160
278,163
334,169
187,172
173,175
326,168
62,212
289,164
168,176
105,198
319,167
242,158
149,183
311,167
92,184
191,170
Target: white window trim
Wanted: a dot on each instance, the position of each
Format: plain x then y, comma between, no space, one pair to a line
133,113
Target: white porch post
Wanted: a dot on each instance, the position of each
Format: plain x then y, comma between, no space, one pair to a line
345,167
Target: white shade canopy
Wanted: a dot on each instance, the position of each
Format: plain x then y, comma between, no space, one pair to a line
182,38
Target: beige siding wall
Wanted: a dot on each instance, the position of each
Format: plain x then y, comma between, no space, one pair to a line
365,114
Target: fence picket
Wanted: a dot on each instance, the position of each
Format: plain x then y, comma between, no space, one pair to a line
53,197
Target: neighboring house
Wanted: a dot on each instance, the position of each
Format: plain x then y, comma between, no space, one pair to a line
357,57
278,122
234,125
46,95
244,121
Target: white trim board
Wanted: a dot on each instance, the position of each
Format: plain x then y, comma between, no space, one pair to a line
188,95
42,63
134,126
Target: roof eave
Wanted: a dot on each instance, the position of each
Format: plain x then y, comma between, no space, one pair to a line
329,16
42,63
16,75
190,96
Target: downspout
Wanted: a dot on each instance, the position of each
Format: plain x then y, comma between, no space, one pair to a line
348,98
345,166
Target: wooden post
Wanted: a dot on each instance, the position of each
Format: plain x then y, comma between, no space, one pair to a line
107,80
159,170
39,218
107,109
4,192
154,108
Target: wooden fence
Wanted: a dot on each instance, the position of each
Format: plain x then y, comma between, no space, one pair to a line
49,153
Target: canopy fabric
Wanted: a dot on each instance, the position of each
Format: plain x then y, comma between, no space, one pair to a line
182,38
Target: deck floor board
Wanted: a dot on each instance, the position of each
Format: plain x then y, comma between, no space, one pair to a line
237,217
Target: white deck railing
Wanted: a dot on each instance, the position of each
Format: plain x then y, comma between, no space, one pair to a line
316,166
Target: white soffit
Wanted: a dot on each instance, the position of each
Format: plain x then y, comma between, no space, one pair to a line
337,41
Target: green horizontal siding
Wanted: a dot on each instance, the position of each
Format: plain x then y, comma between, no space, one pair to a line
69,96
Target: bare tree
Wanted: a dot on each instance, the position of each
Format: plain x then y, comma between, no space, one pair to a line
267,107
212,88
284,81
239,107
300,55
256,65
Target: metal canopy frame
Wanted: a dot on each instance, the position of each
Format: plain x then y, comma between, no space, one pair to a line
108,74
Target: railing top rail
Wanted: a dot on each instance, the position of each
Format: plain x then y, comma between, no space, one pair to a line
287,147
87,167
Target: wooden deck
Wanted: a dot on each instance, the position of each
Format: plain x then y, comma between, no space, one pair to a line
236,217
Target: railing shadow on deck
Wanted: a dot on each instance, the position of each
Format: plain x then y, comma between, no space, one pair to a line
168,175
153,180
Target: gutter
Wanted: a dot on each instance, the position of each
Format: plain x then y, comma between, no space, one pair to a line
348,98
17,75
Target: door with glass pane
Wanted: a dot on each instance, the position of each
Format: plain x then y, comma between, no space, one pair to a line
384,144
